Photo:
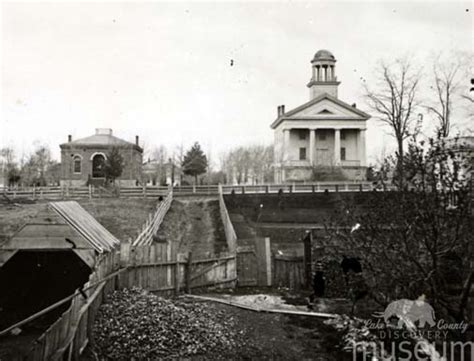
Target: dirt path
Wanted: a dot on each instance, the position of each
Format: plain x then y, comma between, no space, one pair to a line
194,224
284,337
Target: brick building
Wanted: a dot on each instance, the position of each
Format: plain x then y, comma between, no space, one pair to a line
82,160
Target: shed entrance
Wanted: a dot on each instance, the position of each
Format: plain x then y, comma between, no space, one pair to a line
32,280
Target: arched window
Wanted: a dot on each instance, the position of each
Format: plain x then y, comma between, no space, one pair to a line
98,166
77,164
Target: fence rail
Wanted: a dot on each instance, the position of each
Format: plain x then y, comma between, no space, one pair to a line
152,225
199,190
230,235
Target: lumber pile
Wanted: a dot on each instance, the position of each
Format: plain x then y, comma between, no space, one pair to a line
134,324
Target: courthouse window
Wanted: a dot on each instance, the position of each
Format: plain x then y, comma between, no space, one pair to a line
343,153
302,153
77,164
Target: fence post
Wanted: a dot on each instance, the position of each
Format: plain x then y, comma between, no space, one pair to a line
34,192
264,261
347,186
187,285
360,187
144,190
176,275
243,189
313,188
90,191
337,187
194,188
307,258
267,189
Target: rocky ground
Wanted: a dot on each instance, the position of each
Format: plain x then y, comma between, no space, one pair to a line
134,324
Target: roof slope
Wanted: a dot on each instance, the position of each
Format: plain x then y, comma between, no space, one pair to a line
101,140
86,225
357,113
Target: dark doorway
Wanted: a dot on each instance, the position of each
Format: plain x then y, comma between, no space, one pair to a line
33,280
98,166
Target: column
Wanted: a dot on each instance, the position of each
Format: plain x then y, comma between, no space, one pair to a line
318,72
361,147
312,137
286,144
337,146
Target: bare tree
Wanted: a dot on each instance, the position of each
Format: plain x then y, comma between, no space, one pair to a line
418,241
446,79
250,162
394,99
9,165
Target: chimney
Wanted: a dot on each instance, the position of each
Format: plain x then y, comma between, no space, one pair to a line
278,110
103,131
137,140
69,138
283,109
354,105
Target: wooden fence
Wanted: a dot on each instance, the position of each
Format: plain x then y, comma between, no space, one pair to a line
152,267
152,225
288,271
256,266
65,192
230,235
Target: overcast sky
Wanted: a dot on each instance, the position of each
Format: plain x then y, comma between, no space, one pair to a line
162,70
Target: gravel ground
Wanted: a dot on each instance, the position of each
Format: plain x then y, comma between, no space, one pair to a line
131,324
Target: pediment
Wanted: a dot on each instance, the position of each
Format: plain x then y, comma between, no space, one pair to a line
326,108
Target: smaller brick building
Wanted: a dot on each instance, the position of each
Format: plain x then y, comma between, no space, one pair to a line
82,160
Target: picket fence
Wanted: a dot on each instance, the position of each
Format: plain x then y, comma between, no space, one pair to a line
152,267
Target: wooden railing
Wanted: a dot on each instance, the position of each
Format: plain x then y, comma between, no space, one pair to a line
153,223
299,188
230,235
65,192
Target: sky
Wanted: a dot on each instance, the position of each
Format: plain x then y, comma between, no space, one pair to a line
163,70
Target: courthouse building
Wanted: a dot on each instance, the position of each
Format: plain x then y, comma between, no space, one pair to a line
83,160
324,136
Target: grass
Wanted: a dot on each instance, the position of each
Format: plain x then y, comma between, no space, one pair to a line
123,217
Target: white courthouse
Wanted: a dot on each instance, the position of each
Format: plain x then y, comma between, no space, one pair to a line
323,139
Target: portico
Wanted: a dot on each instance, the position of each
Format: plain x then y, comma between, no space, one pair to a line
323,146
324,134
